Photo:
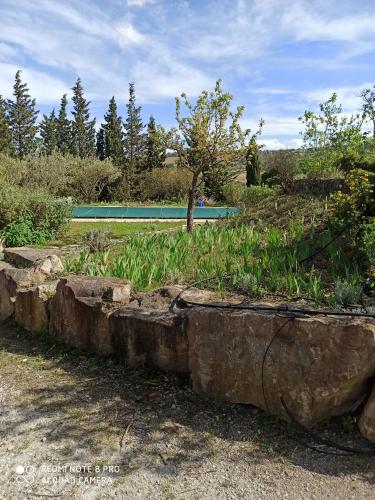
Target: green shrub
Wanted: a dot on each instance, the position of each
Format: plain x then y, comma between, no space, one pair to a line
347,293
18,234
368,244
84,179
171,183
350,210
255,194
237,194
318,164
233,193
30,216
280,168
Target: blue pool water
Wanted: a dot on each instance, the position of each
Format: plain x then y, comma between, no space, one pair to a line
90,212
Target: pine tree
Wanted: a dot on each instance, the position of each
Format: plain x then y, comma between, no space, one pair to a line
83,129
114,137
22,118
155,146
48,133
6,146
64,128
134,143
100,144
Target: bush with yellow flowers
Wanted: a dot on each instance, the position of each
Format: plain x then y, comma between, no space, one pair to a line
354,208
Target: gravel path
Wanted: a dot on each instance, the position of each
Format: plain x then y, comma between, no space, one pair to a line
66,419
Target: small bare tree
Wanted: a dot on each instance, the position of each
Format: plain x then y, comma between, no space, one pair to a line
208,139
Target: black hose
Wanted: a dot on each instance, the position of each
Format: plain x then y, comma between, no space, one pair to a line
322,440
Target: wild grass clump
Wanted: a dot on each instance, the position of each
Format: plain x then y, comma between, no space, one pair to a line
241,258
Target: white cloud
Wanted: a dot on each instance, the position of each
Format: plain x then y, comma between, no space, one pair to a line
322,25
275,126
273,144
138,3
347,96
128,35
44,88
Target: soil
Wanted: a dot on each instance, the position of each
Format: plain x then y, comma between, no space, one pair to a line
61,410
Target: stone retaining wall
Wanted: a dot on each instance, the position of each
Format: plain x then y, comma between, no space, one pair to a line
321,366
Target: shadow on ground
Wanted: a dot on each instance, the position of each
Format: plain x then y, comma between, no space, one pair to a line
149,419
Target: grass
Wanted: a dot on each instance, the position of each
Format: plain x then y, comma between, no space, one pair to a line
118,230
259,261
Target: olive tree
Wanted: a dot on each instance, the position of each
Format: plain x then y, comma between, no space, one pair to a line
209,139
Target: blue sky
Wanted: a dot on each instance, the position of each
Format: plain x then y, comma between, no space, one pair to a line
278,57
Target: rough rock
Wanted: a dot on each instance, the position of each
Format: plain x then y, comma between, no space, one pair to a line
5,265
11,280
26,257
321,366
157,338
199,296
367,421
51,264
80,308
108,289
31,306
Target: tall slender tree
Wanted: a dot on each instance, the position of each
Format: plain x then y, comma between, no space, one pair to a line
155,147
100,144
252,160
114,136
48,133
22,119
64,128
6,145
134,143
83,128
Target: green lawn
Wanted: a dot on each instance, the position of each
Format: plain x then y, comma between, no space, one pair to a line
118,230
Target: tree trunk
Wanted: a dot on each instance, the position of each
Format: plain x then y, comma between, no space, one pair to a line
192,192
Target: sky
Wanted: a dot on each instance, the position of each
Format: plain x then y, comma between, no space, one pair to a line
277,57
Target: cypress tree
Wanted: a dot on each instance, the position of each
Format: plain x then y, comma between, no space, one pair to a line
252,164
83,129
100,144
134,143
48,133
64,128
22,118
6,146
155,147
114,137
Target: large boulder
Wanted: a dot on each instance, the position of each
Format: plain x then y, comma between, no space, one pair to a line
321,366
31,306
27,257
11,280
154,338
80,309
367,421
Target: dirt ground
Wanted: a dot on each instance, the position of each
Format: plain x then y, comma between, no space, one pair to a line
73,426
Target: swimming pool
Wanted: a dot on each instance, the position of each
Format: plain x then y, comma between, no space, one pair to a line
104,212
